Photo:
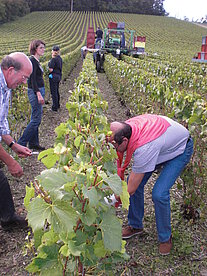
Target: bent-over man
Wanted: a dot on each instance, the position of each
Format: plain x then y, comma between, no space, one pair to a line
152,140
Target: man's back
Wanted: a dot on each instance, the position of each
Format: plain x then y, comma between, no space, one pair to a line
99,33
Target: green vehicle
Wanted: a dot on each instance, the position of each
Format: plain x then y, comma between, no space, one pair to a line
115,42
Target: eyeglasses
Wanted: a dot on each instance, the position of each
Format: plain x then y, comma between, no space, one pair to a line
24,78
115,144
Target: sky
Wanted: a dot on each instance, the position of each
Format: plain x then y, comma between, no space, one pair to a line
192,9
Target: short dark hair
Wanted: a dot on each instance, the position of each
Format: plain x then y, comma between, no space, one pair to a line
34,44
56,48
126,131
8,62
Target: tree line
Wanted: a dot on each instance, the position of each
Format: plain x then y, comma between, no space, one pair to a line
11,9
154,7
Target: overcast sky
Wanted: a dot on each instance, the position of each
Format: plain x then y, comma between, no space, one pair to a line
192,9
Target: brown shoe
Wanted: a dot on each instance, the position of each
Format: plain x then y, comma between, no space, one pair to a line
128,232
165,247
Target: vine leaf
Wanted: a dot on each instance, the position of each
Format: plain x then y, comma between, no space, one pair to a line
77,141
48,158
114,183
92,195
46,261
90,216
124,196
99,249
54,179
30,193
63,217
38,213
111,231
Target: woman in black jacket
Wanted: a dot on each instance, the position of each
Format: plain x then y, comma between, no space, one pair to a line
36,94
55,69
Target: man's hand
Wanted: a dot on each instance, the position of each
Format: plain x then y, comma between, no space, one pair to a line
134,181
13,166
21,151
40,98
15,169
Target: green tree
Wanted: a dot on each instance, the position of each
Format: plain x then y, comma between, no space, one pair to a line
2,12
11,9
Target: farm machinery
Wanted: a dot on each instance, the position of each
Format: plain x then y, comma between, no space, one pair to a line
116,40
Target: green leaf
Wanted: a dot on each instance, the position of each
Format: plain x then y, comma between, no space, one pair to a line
110,167
45,153
90,216
48,157
50,237
92,195
50,160
60,149
77,141
114,183
48,265
111,231
99,249
38,237
54,179
38,212
63,217
30,193
64,250
124,196
74,249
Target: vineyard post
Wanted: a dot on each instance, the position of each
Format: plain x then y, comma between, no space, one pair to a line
71,6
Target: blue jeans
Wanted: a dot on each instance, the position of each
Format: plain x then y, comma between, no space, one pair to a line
160,194
30,134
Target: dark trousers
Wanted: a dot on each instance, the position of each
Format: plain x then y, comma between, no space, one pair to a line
6,201
54,89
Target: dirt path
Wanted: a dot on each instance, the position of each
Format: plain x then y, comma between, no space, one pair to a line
116,111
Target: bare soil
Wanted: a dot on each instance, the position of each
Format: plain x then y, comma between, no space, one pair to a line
189,254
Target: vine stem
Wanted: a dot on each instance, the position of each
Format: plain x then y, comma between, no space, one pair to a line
97,161
91,159
94,182
41,192
76,193
65,266
83,206
97,184
78,223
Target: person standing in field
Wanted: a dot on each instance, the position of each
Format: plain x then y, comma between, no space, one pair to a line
99,34
153,141
36,93
55,69
15,69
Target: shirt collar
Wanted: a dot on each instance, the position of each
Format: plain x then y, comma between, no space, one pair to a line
3,84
